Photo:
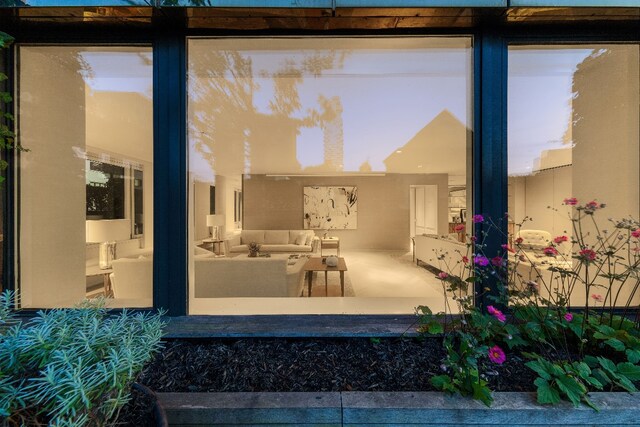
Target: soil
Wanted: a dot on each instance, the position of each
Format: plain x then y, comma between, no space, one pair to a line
270,365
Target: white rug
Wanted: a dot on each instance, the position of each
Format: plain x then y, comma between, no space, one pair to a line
333,285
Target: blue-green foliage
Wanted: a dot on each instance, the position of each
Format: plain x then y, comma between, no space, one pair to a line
72,367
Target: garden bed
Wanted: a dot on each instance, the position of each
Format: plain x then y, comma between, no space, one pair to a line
354,381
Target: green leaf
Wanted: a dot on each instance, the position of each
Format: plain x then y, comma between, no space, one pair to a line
482,393
546,394
582,369
440,381
633,356
629,370
537,366
435,328
601,376
615,344
572,388
591,361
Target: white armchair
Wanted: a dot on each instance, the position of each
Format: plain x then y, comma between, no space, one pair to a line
132,278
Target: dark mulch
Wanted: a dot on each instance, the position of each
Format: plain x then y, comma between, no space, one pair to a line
354,364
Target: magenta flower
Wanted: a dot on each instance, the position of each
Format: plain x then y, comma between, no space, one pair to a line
497,261
465,259
442,275
588,254
496,313
570,201
480,260
568,317
636,233
560,239
550,251
473,238
519,240
478,218
458,228
496,355
597,297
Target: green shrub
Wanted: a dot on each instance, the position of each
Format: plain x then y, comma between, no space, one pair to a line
72,367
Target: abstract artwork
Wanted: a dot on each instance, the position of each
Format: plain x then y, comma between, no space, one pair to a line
331,208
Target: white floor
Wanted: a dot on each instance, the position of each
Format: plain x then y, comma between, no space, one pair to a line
385,282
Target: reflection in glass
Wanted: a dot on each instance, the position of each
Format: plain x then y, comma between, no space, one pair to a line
573,132
270,120
85,113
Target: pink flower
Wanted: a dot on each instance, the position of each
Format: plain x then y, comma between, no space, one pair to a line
496,313
560,239
496,261
519,240
508,248
568,317
550,251
465,259
442,275
458,228
480,260
636,233
473,238
592,205
496,355
597,297
588,254
570,201
478,218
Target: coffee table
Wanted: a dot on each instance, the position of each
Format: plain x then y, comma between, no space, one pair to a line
315,264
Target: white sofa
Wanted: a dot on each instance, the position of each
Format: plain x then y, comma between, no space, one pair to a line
248,277
429,248
283,241
132,278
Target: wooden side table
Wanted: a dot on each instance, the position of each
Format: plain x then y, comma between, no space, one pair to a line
106,280
213,244
315,264
330,243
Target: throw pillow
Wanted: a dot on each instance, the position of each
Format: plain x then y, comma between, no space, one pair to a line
301,239
309,239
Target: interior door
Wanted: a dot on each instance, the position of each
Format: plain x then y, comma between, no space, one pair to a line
425,213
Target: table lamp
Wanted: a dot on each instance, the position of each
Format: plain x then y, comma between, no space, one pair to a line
215,221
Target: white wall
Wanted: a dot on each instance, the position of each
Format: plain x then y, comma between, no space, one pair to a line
52,179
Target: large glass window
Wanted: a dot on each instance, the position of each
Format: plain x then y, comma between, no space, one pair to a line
574,156
353,147
85,114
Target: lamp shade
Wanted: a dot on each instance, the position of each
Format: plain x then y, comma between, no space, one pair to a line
215,220
107,230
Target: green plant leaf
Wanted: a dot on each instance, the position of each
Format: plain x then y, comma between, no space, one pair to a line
441,381
435,328
539,368
633,356
616,344
601,376
629,370
573,389
546,394
482,393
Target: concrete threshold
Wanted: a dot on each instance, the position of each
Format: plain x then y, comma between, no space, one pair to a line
392,409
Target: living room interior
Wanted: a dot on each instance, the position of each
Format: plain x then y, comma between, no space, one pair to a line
352,151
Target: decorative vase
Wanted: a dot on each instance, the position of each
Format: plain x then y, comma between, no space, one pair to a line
253,254
332,261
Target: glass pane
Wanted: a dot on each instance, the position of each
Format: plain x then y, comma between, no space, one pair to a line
351,147
573,134
85,114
